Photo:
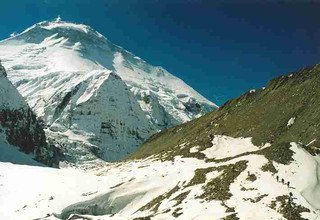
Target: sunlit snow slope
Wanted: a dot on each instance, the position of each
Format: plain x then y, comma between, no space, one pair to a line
97,99
185,188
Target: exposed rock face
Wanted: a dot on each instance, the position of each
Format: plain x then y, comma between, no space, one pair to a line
19,125
2,71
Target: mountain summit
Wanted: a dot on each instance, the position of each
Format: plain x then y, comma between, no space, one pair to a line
96,99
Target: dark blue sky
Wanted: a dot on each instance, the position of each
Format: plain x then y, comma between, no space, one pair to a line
220,48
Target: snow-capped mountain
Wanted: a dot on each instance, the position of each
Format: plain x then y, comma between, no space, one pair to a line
19,128
96,99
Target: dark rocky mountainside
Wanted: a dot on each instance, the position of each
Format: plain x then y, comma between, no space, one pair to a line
19,125
286,110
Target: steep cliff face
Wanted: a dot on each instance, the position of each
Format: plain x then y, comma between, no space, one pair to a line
19,125
64,69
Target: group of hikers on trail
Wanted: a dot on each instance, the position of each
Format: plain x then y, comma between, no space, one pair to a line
290,200
282,180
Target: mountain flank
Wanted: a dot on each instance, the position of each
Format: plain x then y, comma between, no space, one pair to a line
19,125
284,111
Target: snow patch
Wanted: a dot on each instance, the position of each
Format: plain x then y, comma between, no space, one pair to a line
58,19
224,146
13,34
194,149
305,167
291,121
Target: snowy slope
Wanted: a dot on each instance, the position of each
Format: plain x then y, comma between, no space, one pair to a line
10,97
64,69
168,189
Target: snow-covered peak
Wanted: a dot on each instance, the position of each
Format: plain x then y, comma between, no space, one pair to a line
49,25
59,24
62,24
54,64
96,52
44,29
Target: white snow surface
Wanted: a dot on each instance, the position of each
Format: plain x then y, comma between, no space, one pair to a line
291,121
224,145
9,153
194,149
10,97
123,188
76,79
